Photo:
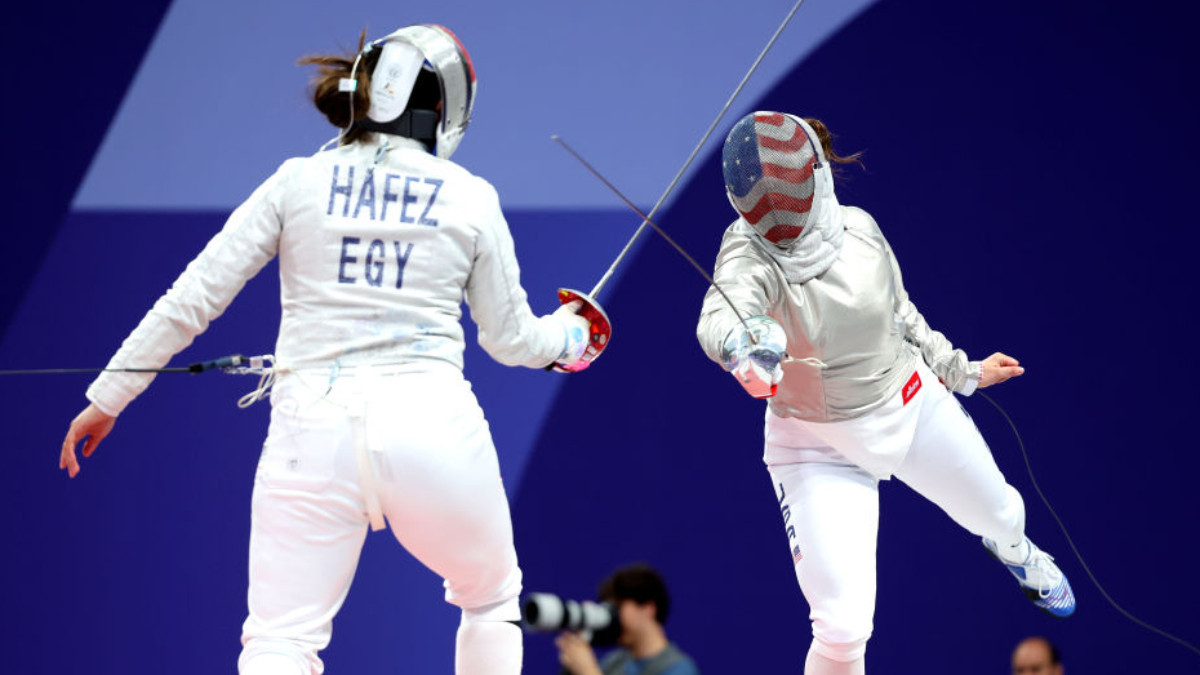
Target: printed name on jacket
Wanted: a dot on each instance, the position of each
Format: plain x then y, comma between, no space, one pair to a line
411,199
370,202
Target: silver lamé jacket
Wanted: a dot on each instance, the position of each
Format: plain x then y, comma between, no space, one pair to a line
856,318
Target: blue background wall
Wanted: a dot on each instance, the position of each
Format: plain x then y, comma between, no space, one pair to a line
1030,164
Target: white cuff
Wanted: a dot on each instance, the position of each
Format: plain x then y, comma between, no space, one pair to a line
973,380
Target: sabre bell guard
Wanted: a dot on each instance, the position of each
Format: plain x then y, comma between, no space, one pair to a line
599,331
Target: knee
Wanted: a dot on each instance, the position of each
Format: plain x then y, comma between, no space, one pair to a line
486,589
504,611
842,640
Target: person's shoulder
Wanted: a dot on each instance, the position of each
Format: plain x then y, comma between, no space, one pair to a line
737,235
476,182
295,166
291,165
679,662
461,178
862,225
857,219
285,178
740,242
684,666
617,657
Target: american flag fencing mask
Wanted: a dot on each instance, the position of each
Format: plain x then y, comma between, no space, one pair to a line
769,162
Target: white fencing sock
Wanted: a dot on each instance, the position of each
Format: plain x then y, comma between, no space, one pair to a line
489,641
270,663
816,664
1014,555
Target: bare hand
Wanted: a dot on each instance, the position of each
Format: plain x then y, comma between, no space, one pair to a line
576,654
998,368
92,424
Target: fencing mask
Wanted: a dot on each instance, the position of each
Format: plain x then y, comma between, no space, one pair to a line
772,167
778,180
422,87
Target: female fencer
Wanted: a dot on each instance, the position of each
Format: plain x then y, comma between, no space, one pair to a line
379,241
858,385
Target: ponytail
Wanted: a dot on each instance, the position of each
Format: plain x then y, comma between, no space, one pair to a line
826,139
326,91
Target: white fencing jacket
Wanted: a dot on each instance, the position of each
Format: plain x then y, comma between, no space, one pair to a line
375,260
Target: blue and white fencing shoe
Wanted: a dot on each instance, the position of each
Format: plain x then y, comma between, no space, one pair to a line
1043,583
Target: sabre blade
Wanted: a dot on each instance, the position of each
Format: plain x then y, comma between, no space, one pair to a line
646,221
695,151
787,358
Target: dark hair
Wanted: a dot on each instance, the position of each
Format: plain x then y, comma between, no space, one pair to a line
333,103
639,583
1055,656
826,138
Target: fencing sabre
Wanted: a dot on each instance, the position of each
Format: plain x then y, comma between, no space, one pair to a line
699,268
601,328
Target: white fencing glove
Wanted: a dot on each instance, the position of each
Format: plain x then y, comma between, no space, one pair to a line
756,363
576,330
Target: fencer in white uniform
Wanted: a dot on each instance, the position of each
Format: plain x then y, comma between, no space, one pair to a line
379,242
858,384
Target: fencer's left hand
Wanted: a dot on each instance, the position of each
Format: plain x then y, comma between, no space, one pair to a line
998,368
92,424
576,655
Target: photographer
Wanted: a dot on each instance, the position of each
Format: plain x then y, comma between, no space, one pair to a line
640,598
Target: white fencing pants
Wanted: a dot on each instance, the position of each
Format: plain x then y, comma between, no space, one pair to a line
414,442
830,505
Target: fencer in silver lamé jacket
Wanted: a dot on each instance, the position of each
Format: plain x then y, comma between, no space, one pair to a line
855,318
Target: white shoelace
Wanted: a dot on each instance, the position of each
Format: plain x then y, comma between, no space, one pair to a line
1044,563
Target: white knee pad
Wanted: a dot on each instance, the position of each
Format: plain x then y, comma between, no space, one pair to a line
274,662
490,640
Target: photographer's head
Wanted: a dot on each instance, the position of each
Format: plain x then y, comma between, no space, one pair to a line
1036,656
640,596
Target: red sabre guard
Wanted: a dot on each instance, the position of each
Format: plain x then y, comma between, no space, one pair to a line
600,330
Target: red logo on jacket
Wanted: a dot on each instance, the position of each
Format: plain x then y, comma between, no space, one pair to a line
911,387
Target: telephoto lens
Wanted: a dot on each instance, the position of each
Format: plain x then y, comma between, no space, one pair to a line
546,612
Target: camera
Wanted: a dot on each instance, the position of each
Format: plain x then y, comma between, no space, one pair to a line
597,621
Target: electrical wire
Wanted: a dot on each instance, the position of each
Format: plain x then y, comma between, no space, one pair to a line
1074,549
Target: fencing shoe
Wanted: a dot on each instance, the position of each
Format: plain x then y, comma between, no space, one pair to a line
1043,583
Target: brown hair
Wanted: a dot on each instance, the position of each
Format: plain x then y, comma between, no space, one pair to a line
335,104
826,138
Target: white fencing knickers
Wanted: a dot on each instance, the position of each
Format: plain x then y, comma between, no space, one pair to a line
830,504
431,465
